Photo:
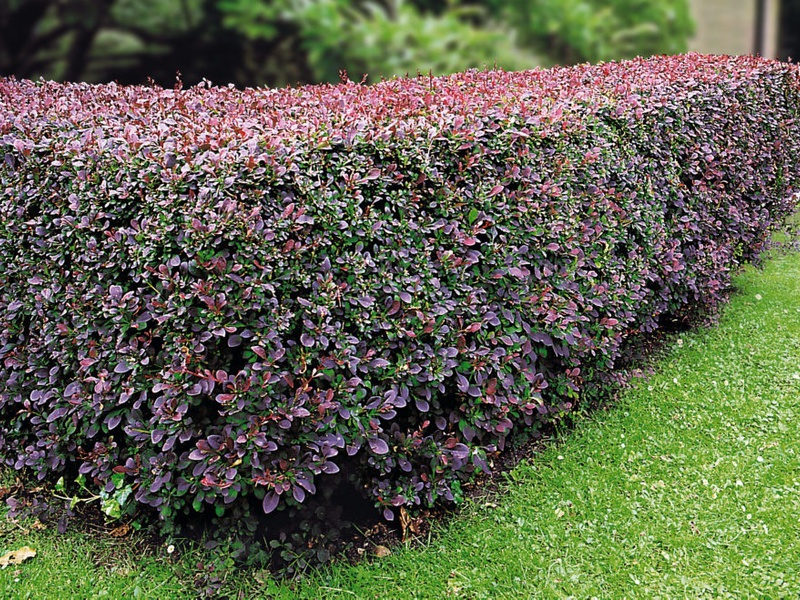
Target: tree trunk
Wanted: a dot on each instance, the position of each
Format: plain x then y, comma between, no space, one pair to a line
96,13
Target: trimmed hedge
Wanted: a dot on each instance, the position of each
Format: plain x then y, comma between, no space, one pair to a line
217,299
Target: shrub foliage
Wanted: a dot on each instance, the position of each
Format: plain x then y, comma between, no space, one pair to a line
222,300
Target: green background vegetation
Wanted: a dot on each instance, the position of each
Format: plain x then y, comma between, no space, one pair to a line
278,42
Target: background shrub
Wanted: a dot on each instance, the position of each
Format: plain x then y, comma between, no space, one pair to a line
578,30
279,42
243,303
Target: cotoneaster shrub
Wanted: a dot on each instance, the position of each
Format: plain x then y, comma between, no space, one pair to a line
231,301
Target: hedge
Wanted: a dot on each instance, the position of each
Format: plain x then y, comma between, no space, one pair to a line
216,300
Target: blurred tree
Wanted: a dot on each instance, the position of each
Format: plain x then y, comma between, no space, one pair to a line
34,34
132,41
394,38
278,42
193,37
592,30
790,30
401,39
579,30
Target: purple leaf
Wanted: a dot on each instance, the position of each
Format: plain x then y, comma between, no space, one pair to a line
270,502
378,446
56,414
366,301
460,451
468,432
307,484
72,388
329,467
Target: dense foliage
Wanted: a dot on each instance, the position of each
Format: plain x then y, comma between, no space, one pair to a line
240,302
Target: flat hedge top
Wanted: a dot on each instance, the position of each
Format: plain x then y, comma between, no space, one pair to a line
222,124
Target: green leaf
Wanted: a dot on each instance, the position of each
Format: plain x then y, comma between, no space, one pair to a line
473,215
111,508
121,496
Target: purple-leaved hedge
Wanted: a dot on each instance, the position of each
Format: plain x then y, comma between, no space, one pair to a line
219,299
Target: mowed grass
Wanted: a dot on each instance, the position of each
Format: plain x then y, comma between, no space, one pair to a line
687,487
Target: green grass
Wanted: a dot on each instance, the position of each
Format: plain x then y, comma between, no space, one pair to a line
688,487
82,566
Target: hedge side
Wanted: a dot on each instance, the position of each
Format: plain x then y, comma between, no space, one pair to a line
218,299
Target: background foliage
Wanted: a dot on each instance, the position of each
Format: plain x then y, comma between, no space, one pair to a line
592,30
277,42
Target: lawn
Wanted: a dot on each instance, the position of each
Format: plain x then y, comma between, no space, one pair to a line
688,486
